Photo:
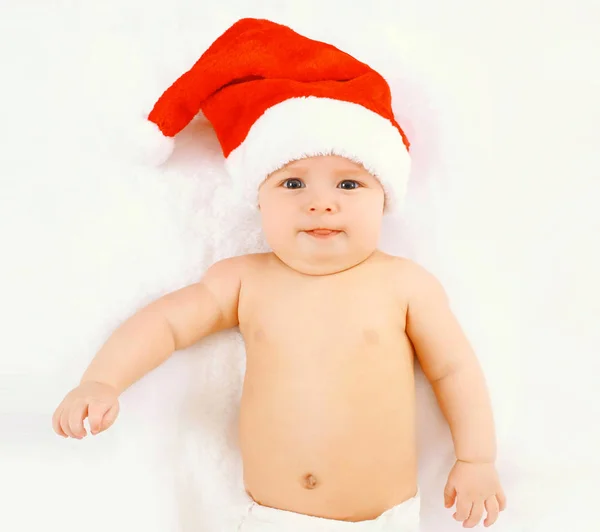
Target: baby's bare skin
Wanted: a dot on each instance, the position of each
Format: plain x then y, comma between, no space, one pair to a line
332,326
327,422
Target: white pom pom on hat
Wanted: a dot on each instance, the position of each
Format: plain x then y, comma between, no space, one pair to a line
148,145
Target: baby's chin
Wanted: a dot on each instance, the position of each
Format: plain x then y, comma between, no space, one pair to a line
320,262
318,270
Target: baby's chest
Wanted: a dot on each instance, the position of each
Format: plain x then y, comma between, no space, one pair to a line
356,317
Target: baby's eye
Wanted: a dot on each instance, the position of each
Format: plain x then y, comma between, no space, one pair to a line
349,184
293,183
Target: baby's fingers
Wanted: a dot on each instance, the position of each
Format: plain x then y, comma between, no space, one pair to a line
449,495
476,515
463,508
110,416
492,507
501,499
96,412
56,424
77,414
101,416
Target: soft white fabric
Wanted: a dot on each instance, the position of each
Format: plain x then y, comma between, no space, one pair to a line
403,517
501,102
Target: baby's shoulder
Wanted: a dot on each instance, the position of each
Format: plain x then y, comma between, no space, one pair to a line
411,277
239,265
396,265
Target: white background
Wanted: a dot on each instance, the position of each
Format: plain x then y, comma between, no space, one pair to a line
501,103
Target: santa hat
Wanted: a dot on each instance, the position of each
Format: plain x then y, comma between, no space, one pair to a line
274,96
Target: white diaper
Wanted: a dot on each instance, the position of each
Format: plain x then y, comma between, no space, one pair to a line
401,518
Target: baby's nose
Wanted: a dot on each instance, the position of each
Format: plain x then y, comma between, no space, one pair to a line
316,208
322,204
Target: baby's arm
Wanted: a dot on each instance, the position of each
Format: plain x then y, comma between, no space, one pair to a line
145,341
173,322
450,365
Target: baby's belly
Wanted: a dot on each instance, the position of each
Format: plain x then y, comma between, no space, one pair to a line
330,436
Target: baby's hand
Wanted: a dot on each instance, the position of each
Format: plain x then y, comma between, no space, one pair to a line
97,401
474,487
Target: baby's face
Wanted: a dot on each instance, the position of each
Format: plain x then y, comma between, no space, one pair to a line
322,193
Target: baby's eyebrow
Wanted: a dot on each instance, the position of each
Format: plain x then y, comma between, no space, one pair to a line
350,172
302,170
295,169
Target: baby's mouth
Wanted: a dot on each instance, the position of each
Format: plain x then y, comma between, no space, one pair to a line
322,232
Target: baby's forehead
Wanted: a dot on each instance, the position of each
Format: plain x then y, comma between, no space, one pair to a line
331,163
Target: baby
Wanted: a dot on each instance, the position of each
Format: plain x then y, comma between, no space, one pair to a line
332,327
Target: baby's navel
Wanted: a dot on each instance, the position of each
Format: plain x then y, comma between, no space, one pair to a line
309,482
259,335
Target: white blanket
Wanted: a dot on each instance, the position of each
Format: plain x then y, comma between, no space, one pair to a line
503,120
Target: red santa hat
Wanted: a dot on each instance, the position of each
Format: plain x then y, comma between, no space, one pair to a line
274,96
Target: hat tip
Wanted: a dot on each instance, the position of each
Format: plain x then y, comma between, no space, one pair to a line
150,147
